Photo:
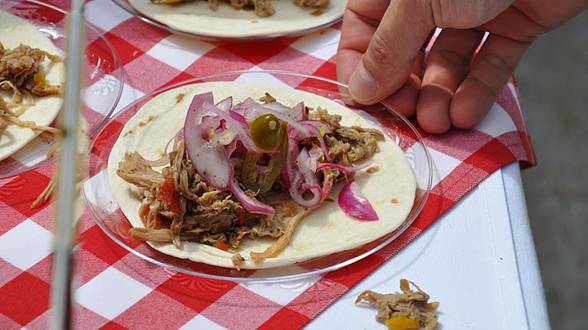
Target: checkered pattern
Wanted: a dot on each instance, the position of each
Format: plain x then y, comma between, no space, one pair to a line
118,290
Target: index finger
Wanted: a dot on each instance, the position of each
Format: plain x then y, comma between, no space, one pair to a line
359,24
392,50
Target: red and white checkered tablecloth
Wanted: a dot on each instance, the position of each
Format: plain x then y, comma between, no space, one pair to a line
118,290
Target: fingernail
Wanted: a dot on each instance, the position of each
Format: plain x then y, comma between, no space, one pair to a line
362,86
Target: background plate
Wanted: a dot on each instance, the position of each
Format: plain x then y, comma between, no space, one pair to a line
236,27
103,85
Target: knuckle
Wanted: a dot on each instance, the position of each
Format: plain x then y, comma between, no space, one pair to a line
497,63
483,85
378,51
454,58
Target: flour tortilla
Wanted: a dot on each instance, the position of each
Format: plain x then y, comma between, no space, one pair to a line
325,231
227,22
13,32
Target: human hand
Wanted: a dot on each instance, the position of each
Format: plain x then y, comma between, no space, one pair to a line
381,57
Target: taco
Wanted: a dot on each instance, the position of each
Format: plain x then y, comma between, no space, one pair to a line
241,18
253,176
31,79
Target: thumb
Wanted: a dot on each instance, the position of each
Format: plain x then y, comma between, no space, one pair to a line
392,51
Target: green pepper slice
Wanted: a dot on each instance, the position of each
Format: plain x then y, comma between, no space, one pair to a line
268,133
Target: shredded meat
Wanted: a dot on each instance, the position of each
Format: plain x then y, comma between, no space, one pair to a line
283,241
267,98
321,114
348,144
207,215
412,304
262,8
20,71
21,74
237,260
135,170
317,4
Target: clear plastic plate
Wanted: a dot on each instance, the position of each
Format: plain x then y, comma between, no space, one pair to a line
103,85
213,34
104,209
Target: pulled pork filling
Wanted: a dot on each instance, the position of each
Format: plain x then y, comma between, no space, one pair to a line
21,74
178,205
409,309
262,8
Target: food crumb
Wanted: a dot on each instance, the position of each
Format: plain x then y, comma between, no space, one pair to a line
317,12
149,119
408,309
373,169
180,97
395,200
267,98
254,22
237,260
129,132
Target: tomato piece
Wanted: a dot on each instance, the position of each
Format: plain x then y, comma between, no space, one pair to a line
143,211
169,196
221,244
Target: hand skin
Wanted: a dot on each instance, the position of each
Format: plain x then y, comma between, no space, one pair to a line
381,53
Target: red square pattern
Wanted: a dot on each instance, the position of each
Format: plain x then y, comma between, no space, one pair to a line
7,323
316,298
44,215
285,319
24,298
491,156
458,143
96,242
183,76
150,311
293,60
10,217
460,181
148,74
349,276
99,50
408,236
87,266
126,51
195,292
145,272
435,207
82,318
515,143
138,34
507,101
241,309
42,269
217,60
113,326
250,51
24,191
7,272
